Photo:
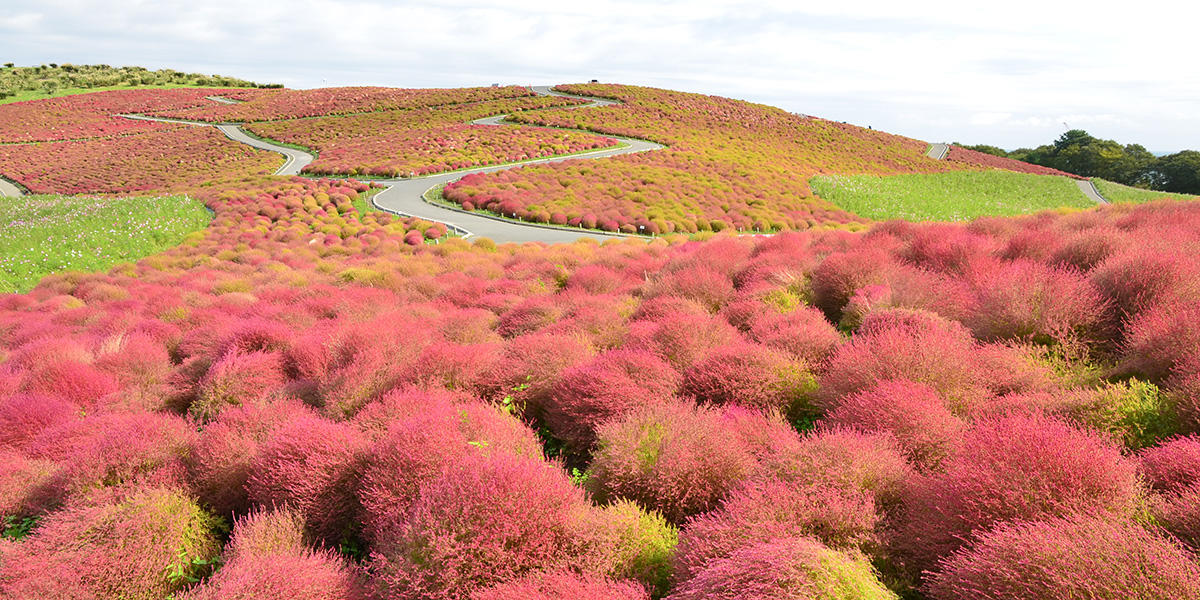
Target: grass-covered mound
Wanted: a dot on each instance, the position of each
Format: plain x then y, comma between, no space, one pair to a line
958,196
51,234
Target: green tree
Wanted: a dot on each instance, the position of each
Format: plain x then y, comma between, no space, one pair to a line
1179,172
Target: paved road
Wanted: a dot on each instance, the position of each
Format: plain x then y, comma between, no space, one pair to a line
1089,189
405,196
937,151
8,189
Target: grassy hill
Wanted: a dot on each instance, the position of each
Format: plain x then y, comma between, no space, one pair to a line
48,81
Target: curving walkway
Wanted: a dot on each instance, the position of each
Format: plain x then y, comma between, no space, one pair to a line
8,188
1089,190
937,151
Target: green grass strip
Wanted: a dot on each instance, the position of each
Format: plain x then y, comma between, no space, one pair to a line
40,235
1115,192
954,196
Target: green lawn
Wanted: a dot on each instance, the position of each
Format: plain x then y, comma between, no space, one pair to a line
955,196
40,235
1115,192
38,94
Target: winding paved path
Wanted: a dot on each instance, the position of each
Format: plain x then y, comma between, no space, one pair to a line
937,151
405,197
7,188
1089,190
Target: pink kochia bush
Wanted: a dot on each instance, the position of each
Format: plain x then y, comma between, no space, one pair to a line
415,450
485,520
607,387
912,413
677,458
753,376
787,568
313,465
127,548
269,559
763,511
1077,556
1173,464
563,585
1013,468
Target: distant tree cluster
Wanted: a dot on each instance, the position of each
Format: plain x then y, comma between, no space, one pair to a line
53,77
1078,152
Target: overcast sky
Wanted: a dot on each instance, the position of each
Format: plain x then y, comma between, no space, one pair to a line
1010,74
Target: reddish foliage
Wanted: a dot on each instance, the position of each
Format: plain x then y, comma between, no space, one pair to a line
237,378
563,585
804,332
1161,339
789,568
417,449
912,413
76,382
1173,464
605,388
900,344
1012,468
1029,301
701,284
124,549
313,465
1073,557
682,339
840,275
530,368
983,159
753,376
1178,512
675,457
487,519
1141,278
764,511
220,462
26,486
24,416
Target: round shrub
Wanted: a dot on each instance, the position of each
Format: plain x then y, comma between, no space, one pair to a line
609,386
25,416
901,344
530,367
1071,557
313,465
79,383
700,283
843,459
841,274
417,449
1173,464
145,546
753,376
912,413
487,519
237,378
1032,301
676,458
1162,338
26,486
762,511
1178,512
803,332
1019,467
628,542
563,585
793,568
220,462
683,339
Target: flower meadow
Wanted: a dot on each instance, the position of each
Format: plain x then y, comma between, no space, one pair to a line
427,140
730,164
51,234
305,400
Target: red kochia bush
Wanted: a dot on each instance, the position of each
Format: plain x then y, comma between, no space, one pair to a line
795,568
676,458
1031,301
1178,512
901,344
219,464
912,413
237,378
1072,557
803,332
700,284
268,559
24,416
313,465
609,386
126,549
767,510
25,485
1014,468
530,367
836,279
753,376
80,383
1173,464
1162,338
487,519
843,459
683,339
417,449
563,585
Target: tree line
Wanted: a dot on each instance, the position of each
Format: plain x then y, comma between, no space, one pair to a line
1080,153
53,77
